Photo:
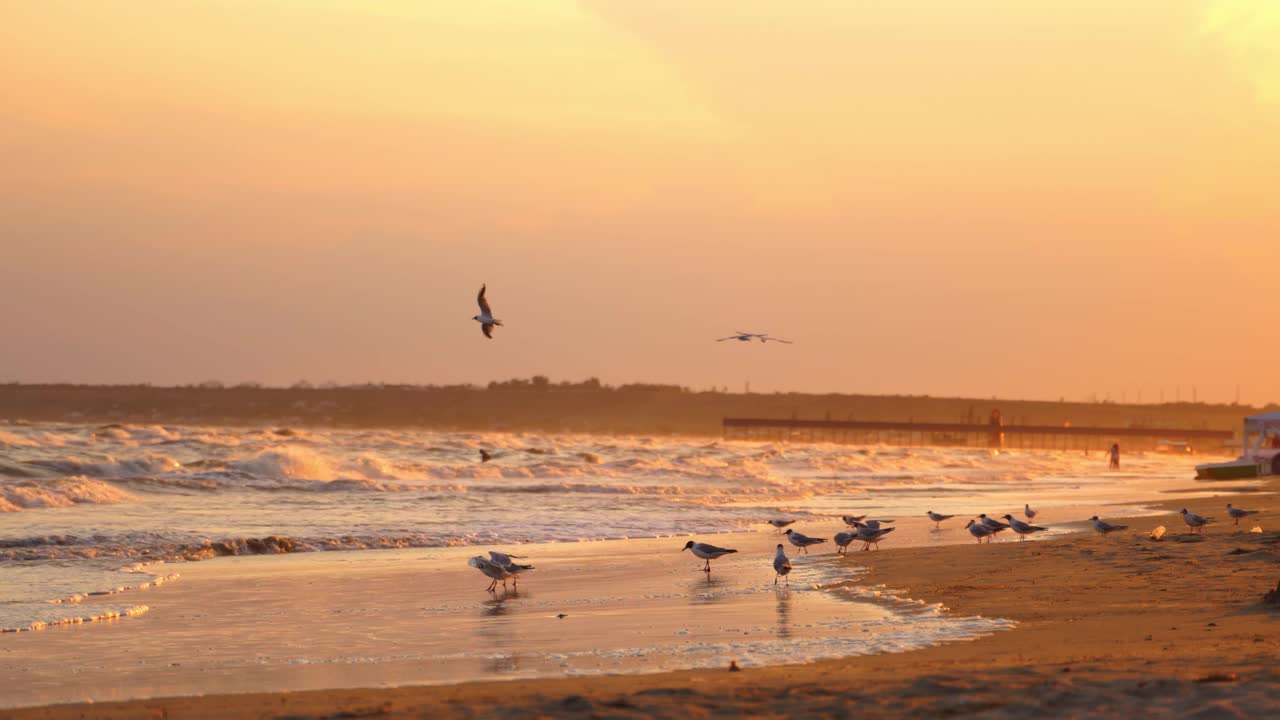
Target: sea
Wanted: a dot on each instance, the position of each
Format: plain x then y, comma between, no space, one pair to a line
106,510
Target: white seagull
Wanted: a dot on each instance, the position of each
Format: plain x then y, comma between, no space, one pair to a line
842,540
781,565
1239,513
1194,522
706,552
979,531
491,570
485,318
1023,529
1026,510
871,535
937,518
513,569
780,523
803,541
748,337
1104,527
856,520
995,526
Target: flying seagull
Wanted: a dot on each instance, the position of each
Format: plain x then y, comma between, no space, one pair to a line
485,318
748,337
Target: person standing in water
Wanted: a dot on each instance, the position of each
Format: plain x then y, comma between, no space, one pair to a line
1115,455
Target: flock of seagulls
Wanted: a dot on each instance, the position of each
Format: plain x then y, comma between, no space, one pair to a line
868,531
488,322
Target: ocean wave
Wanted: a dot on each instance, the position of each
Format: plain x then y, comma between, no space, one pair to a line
27,493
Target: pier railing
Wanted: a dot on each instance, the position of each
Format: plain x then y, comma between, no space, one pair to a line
1049,437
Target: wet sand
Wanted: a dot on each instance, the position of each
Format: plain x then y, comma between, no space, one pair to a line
1116,626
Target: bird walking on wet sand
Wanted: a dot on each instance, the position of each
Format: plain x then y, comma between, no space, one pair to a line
706,552
842,540
1194,522
780,523
1239,513
995,526
1023,529
491,570
781,565
485,318
514,569
856,520
937,519
803,541
979,530
1103,527
1026,510
871,535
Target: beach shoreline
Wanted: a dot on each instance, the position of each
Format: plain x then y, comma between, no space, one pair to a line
1106,626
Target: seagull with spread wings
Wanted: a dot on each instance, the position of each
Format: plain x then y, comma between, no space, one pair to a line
485,318
748,337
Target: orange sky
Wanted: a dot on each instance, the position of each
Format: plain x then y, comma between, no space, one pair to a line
993,197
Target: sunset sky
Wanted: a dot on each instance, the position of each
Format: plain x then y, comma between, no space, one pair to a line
991,197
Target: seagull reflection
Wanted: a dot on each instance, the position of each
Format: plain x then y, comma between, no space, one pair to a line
497,606
701,593
784,613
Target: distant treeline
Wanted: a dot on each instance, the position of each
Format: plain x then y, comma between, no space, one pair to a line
542,405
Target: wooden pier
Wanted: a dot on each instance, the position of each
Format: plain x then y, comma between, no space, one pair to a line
1044,437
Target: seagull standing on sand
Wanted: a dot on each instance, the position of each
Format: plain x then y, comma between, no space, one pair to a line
871,535
1103,527
1194,522
706,552
781,565
1026,510
995,526
842,540
491,570
937,518
1239,513
979,531
1023,529
485,318
856,520
513,569
803,541
780,523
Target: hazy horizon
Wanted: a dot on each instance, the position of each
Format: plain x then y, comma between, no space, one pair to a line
1061,199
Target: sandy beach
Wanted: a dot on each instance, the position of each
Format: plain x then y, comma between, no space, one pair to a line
1116,626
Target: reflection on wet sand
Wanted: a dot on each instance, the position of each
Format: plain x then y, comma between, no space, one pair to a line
784,613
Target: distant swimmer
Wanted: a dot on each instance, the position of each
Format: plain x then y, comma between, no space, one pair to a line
748,337
485,318
1115,455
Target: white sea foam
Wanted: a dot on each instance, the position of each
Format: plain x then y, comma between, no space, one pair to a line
25,493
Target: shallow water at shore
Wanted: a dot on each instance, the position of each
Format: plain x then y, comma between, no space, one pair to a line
116,509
